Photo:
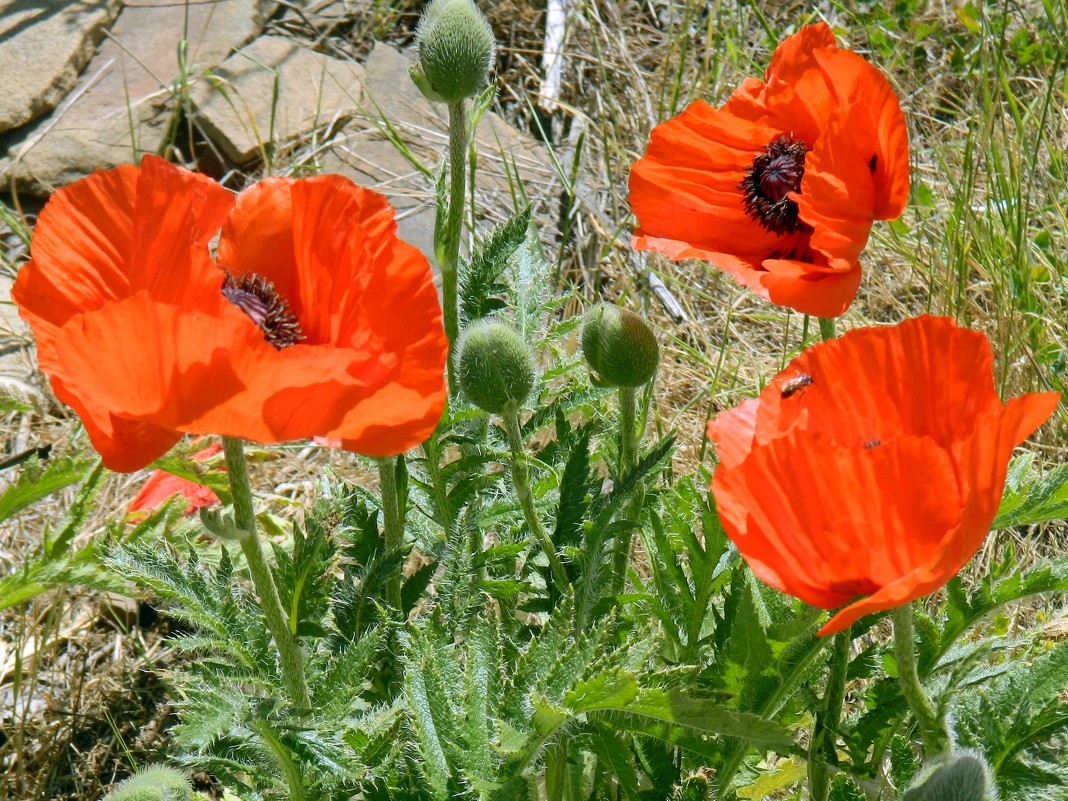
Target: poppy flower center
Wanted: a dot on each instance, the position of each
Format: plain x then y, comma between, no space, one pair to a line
768,182
257,297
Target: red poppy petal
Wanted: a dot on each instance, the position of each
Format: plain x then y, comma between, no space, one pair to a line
258,237
796,285
685,187
837,196
177,211
982,462
875,383
162,486
80,248
796,96
875,123
820,518
734,431
169,378
124,445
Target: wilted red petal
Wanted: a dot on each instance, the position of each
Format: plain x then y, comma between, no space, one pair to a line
161,486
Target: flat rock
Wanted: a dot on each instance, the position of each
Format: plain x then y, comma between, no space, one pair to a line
273,93
43,47
507,159
122,104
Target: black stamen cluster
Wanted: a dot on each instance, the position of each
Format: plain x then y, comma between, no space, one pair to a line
771,177
257,297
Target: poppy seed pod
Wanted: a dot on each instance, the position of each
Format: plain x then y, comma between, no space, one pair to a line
495,366
156,783
619,346
961,776
455,50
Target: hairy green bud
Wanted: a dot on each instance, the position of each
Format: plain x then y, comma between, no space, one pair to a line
495,366
619,346
960,776
154,783
456,49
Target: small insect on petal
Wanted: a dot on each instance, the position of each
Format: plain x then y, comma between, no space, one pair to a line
872,443
796,384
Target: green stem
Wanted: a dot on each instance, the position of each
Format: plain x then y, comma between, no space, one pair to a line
285,759
936,739
447,246
628,457
824,731
827,328
289,653
769,709
393,524
432,455
521,481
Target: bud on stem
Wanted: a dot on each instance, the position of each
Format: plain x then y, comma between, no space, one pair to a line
154,783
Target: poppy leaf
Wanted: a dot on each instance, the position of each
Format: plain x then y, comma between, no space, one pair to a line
1031,497
704,715
481,291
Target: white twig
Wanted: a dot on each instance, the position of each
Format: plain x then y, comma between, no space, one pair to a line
552,58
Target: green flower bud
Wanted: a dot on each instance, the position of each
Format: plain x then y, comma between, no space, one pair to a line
455,50
495,366
154,783
619,346
960,776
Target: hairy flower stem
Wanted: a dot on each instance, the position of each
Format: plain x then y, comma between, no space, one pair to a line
290,655
521,482
827,328
628,453
284,759
825,729
393,523
933,730
447,236
771,706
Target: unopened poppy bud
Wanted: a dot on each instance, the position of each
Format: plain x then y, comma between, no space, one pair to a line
960,776
619,346
455,50
495,366
155,783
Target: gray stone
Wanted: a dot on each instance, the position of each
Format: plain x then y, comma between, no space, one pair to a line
122,105
274,82
43,47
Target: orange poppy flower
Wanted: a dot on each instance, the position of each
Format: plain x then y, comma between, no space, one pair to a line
161,486
317,321
780,186
872,466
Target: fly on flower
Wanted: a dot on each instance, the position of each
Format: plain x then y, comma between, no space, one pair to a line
796,384
779,187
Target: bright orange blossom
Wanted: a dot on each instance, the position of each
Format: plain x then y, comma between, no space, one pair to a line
780,186
876,482
319,321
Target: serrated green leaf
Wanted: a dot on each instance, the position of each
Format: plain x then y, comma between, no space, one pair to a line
37,480
843,788
1030,497
707,716
481,293
613,690
610,748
